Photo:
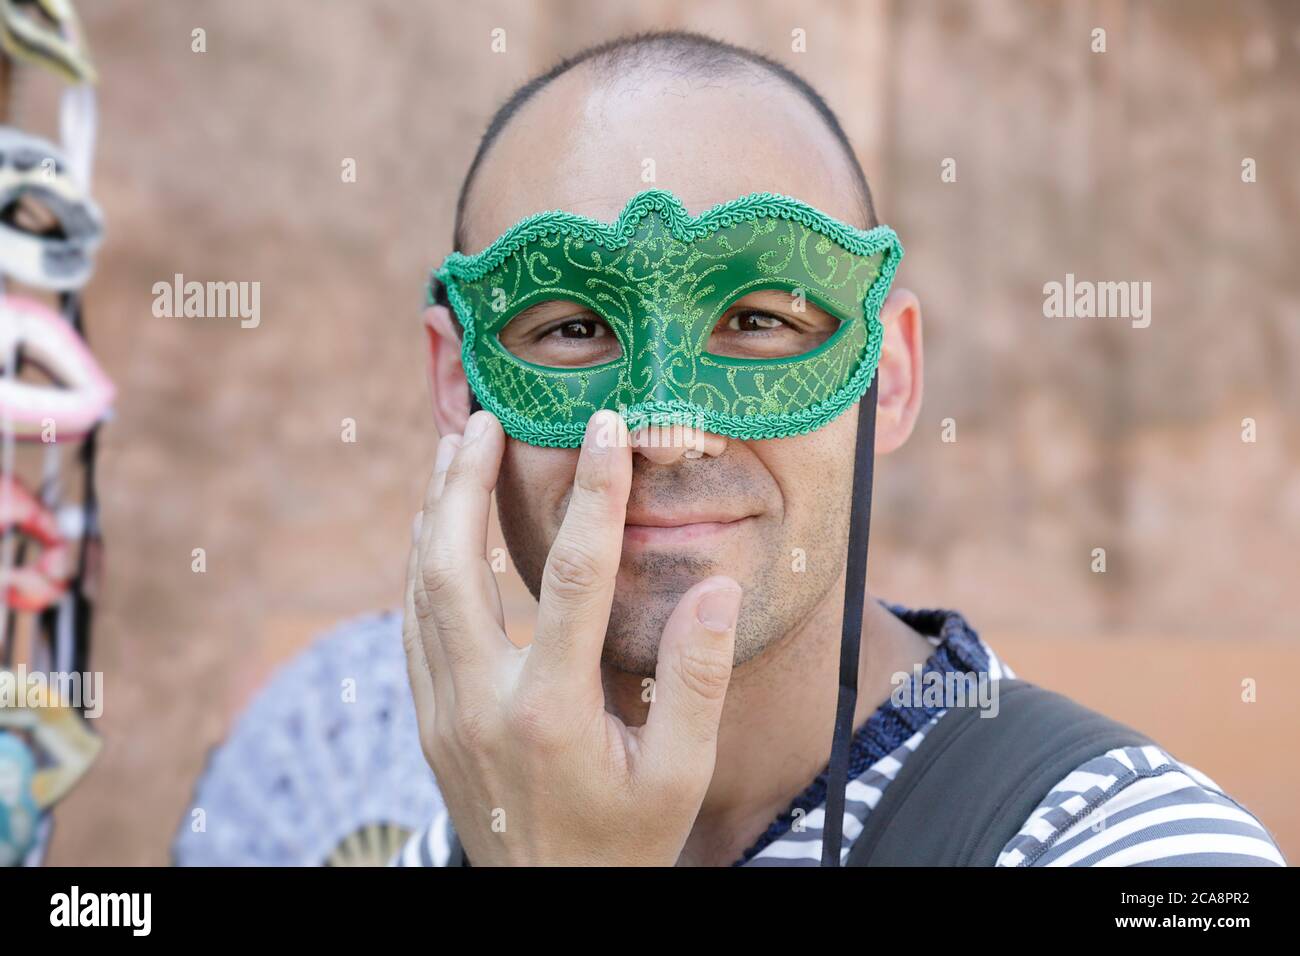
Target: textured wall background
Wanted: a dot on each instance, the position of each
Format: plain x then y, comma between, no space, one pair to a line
1072,434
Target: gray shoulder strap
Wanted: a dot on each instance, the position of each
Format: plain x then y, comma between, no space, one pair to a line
973,781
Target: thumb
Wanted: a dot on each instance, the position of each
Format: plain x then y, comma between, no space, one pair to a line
691,678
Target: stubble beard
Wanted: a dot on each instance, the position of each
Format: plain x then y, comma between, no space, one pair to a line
776,600
780,593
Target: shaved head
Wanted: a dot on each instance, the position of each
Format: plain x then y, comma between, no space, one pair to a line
671,59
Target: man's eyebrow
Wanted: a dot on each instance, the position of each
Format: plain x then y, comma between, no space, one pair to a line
553,305
765,298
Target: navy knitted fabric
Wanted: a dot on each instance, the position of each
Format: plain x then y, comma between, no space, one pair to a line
959,651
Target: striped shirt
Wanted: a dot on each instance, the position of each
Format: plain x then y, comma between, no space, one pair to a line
1132,806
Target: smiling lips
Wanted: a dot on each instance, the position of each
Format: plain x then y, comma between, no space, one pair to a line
651,529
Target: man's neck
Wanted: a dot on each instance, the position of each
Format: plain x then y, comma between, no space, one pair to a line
776,727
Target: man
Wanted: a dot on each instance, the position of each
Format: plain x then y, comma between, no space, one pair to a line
675,705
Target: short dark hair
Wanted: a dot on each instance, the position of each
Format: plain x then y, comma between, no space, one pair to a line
688,52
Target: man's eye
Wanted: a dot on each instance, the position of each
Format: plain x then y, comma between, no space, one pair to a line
581,329
753,322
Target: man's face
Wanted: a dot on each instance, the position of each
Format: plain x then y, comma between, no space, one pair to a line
773,514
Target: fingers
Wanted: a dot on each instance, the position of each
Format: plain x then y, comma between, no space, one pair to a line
455,599
447,448
417,624
578,581
691,679
418,670
448,445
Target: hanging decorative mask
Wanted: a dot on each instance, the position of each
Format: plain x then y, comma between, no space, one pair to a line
79,394
48,34
49,228
45,748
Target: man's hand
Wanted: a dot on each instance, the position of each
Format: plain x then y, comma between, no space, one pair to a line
532,767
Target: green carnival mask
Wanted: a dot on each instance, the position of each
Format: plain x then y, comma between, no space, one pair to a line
661,280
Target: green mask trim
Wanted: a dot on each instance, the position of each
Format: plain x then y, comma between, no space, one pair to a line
661,279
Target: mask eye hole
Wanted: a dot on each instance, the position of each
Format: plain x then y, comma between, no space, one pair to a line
771,324
30,215
560,334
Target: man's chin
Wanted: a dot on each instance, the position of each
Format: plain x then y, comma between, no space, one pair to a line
636,626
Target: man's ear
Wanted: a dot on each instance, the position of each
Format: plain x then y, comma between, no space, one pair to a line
900,370
447,385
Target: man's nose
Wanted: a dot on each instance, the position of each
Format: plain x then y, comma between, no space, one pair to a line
668,444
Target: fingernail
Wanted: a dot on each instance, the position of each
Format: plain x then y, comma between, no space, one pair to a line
476,428
446,452
599,437
415,527
717,610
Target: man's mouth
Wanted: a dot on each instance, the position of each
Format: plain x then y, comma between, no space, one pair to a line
670,529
